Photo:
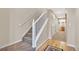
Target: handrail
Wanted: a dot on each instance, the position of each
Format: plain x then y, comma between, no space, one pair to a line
56,15
34,36
41,29
29,17
38,32
40,17
53,13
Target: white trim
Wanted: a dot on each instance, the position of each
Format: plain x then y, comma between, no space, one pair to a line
10,44
25,32
33,34
40,17
28,18
41,44
41,30
71,45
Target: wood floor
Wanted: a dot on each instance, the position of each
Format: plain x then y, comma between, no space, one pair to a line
61,35
58,40
27,46
55,43
24,45
21,46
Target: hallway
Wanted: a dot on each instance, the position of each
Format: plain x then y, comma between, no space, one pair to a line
29,28
60,36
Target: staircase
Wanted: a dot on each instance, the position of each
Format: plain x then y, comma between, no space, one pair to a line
28,37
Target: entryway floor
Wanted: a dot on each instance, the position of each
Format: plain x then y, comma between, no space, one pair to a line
21,46
60,36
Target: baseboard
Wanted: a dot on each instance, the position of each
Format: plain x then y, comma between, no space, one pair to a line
10,44
41,44
72,46
25,32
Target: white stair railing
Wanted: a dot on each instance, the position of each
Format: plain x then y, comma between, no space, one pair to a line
42,29
38,27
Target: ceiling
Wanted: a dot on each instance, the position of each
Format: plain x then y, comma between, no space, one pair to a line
60,12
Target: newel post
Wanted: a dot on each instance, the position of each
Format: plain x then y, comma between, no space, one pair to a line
33,34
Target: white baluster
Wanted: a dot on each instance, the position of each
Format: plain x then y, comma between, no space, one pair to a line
33,34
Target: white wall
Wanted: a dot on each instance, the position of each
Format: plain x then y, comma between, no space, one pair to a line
54,21
4,26
77,28
11,20
71,26
21,22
